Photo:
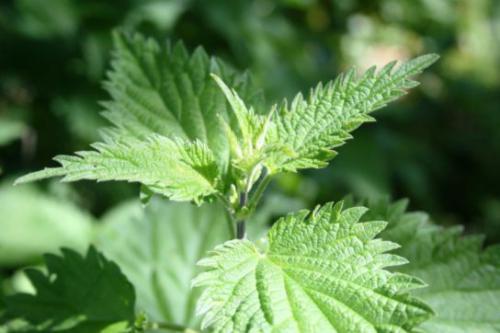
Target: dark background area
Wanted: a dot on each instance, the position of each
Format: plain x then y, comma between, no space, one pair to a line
439,146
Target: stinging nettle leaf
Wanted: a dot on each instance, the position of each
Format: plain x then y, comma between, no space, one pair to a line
158,247
463,278
78,294
319,272
179,170
312,127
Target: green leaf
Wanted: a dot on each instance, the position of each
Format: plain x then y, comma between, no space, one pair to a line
179,170
33,223
319,272
247,141
158,247
463,279
312,127
78,294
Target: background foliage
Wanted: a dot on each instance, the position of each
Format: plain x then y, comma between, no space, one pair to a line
438,146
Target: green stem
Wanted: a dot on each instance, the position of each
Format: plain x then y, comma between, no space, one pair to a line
237,224
241,224
229,216
259,191
241,229
230,223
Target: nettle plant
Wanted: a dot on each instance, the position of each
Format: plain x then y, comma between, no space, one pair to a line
187,127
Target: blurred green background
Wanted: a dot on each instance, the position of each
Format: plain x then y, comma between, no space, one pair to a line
439,146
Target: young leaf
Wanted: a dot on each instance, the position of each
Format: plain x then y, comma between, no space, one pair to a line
312,127
321,272
179,170
463,279
77,295
247,141
165,90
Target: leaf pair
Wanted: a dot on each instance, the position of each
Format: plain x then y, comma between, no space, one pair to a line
319,272
188,137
